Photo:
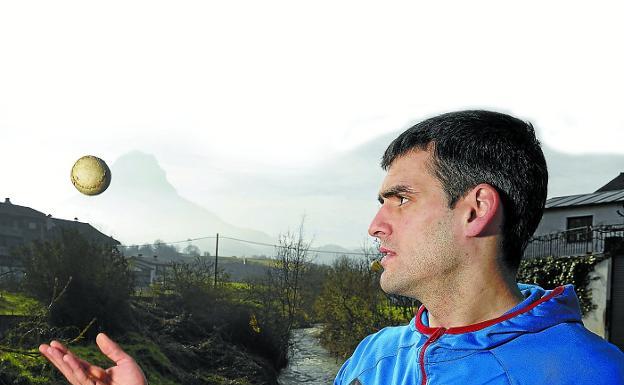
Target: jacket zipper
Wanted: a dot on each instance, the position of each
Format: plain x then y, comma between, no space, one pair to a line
431,340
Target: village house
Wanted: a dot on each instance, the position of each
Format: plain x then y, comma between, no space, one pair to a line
20,225
590,224
148,270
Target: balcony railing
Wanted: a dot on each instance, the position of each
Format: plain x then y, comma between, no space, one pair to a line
573,242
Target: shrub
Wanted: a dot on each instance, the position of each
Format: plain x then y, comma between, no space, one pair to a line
84,279
352,306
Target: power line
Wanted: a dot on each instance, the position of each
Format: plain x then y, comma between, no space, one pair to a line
167,243
292,247
245,241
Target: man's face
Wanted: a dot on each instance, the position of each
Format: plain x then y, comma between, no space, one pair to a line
414,226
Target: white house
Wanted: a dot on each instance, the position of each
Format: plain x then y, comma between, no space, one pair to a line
605,206
583,225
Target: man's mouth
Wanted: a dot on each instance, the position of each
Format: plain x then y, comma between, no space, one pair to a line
387,254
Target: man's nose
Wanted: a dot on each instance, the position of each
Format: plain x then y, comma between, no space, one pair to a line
379,227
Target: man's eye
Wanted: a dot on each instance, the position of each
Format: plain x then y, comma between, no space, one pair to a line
402,200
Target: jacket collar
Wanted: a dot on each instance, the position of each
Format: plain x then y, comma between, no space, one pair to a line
540,309
537,296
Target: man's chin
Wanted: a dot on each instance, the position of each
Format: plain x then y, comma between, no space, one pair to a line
388,286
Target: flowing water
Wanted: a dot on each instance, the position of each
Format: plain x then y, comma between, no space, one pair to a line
309,363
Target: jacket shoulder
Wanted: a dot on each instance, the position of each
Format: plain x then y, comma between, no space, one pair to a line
374,348
564,353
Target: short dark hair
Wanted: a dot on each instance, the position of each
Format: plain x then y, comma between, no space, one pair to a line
476,146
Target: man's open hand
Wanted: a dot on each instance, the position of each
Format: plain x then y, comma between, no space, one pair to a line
80,372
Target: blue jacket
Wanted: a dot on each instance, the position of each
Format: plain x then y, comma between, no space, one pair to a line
541,341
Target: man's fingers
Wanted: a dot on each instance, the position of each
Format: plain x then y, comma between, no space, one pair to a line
56,358
78,370
59,346
111,349
97,372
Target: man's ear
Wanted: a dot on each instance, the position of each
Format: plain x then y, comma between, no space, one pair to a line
484,211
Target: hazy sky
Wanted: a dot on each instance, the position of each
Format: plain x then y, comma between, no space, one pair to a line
281,86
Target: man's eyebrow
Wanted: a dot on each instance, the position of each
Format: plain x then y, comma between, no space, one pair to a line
394,191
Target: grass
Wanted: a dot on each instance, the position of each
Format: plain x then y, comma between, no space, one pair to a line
237,285
16,303
25,367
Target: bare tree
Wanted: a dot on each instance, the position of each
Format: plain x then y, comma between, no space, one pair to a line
292,258
279,294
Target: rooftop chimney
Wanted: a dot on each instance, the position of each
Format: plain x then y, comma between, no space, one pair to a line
7,201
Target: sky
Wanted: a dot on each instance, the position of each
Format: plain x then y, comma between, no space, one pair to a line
278,87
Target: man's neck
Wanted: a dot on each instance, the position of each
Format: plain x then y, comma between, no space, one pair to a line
472,300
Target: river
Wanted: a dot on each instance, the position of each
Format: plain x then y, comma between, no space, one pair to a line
309,362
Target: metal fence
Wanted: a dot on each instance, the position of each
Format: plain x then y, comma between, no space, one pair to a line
573,242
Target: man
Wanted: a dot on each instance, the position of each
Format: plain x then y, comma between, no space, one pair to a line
463,193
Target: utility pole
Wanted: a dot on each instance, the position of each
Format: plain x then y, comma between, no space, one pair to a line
216,260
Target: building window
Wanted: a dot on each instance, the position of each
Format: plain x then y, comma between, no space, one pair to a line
579,228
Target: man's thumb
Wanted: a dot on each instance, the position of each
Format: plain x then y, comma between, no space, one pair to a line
110,348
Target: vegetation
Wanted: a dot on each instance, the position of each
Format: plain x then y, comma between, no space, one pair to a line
15,303
279,296
550,272
94,278
186,329
352,305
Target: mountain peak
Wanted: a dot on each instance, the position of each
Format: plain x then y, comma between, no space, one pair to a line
137,171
